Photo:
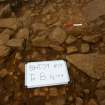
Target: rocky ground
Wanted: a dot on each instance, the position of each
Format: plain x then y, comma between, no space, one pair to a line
49,32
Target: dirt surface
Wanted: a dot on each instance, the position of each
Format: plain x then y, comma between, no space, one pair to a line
47,30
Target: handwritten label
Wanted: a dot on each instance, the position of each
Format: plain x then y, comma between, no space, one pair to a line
46,73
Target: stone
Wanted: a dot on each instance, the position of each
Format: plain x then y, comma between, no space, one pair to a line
78,101
94,10
72,49
92,102
100,94
92,38
48,9
91,64
101,84
18,56
56,47
10,23
4,38
6,98
26,19
102,102
40,42
70,39
3,73
23,33
70,98
45,42
84,48
86,91
4,51
8,32
5,11
16,43
38,27
58,35
34,55
21,66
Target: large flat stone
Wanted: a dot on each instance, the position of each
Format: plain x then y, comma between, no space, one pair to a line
10,23
91,64
94,9
16,43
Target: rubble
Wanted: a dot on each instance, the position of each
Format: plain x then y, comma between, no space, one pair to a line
91,38
79,101
6,11
38,27
4,51
4,38
91,64
92,102
38,32
94,10
16,43
58,35
23,33
100,94
71,39
85,48
101,84
10,23
72,49
3,73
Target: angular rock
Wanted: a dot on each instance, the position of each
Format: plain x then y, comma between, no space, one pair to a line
18,56
38,27
58,35
26,19
92,102
94,9
4,38
70,98
45,42
85,48
5,11
10,23
3,73
8,32
70,39
16,43
92,38
48,9
102,102
56,47
40,42
72,49
86,91
79,101
4,51
23,33
21,66
100,95
91,64
101,84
